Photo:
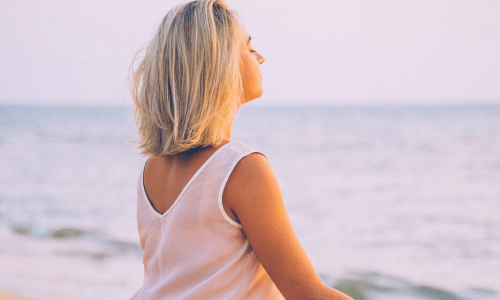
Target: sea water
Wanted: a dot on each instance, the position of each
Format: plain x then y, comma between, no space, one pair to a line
389,202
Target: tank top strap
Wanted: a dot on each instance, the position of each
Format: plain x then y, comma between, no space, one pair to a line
235,151
210,179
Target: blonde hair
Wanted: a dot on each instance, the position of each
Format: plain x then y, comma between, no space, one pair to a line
188,87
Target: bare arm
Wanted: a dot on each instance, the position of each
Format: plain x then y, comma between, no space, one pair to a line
252,193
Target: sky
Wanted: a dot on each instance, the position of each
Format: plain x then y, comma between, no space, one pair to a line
351,52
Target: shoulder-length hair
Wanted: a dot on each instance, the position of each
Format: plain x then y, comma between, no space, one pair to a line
187,89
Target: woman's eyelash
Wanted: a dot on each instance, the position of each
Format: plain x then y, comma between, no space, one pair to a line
252,51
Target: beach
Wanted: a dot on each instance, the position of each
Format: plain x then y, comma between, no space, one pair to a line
9,296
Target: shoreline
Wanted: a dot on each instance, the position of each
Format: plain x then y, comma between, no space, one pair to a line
12,296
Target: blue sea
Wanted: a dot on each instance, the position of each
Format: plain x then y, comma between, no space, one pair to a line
390,202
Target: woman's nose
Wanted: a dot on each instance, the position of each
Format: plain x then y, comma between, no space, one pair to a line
261,59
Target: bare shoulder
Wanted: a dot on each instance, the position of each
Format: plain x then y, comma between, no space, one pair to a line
255,161
252,163
252,174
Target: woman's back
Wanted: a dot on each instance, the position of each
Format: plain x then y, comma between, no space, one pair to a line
192,248
165,176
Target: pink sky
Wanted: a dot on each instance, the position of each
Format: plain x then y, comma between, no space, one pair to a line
319,51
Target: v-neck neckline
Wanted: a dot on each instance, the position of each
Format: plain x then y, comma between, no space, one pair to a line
156,213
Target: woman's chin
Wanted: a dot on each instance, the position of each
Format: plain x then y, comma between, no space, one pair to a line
255,95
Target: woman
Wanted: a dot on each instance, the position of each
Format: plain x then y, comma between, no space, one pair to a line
211,217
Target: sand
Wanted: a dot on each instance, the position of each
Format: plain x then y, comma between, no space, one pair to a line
9,296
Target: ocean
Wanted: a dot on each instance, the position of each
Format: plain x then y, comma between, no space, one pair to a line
389,202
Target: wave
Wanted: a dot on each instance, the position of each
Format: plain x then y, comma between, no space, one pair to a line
103,247
374,286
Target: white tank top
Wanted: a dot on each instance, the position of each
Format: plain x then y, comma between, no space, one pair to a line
195,250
